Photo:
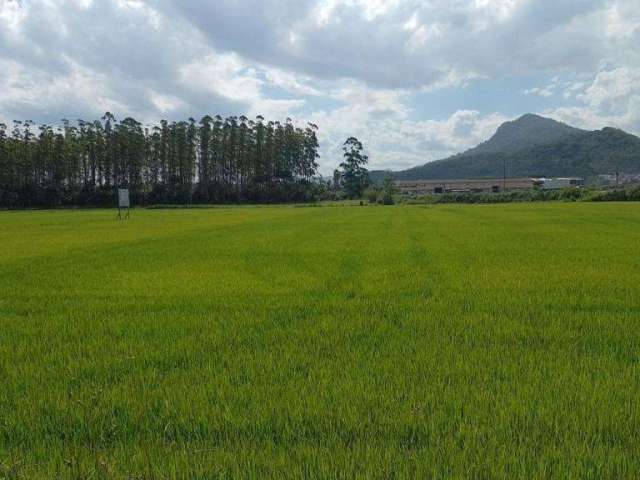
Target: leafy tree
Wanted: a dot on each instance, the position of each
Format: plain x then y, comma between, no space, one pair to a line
388,190
353,175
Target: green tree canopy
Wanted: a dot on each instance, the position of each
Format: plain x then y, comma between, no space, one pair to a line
211,160
353,175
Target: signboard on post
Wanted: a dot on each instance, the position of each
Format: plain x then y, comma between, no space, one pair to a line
123,198
123,202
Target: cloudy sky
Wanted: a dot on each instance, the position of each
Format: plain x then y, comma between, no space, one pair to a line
415,80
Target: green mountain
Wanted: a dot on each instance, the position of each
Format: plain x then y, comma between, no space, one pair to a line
539,147
525,132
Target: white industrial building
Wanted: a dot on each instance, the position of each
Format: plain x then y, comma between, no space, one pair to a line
422,187
558,183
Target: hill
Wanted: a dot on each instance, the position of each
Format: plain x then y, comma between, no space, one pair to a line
536,146
525,132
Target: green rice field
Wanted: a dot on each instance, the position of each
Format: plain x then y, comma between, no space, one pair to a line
448,341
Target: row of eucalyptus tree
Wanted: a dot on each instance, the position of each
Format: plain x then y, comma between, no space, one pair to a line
217,159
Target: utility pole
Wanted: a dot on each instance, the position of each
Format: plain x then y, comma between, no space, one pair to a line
504,174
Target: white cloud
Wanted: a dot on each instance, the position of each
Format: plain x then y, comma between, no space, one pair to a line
546,92
371,101
611,99
370,9
166,103
224,74
299,85
354,67
393,140
27,90
276,109
11,17
488,13
622,20
230,76
410,43
611,90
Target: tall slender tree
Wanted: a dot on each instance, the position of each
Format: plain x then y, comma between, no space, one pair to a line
353,175
215,159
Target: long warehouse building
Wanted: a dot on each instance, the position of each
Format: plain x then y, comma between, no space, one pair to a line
423,187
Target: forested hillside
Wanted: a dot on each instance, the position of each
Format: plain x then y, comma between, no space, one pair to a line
213,160
525,132
537,146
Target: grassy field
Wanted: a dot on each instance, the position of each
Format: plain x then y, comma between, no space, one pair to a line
338,342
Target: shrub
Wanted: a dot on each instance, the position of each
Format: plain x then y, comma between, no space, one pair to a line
387,199
371,194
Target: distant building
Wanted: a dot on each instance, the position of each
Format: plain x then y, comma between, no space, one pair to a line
423,187
558,183
618,179
495,185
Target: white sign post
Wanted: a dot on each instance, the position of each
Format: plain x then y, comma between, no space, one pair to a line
123,202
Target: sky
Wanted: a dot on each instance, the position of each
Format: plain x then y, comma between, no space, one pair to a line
414,80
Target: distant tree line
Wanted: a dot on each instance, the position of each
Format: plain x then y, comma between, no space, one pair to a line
211,161
625,193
